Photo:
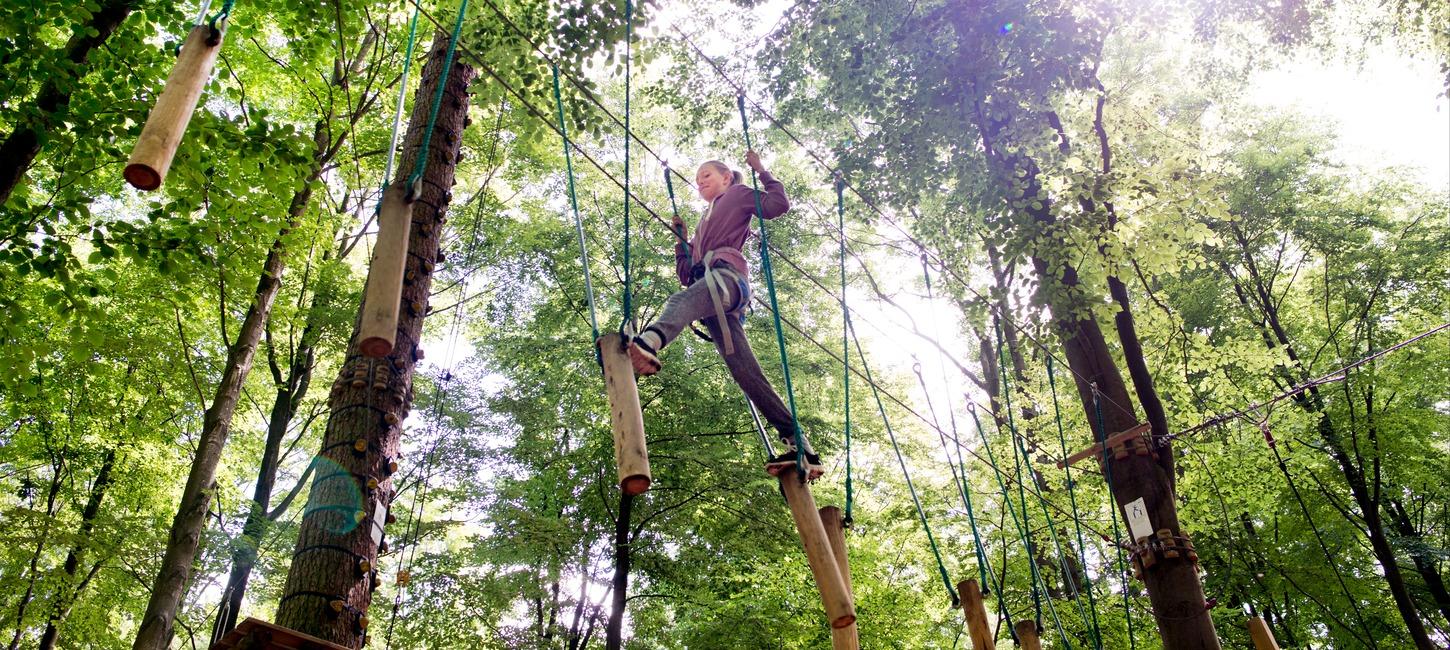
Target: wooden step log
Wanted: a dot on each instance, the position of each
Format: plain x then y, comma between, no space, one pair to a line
975,609
253,634
842,638
1112,441
1027,635
156,147
383,297
834,595
1261,635
630,455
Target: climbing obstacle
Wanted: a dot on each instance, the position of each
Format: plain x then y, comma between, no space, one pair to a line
1027,638
1262,636
630,455
383,297
819,554
253,634
842,638
155,149
975,609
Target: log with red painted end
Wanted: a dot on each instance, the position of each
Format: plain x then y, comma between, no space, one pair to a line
165,126
630,454
822,559
842,638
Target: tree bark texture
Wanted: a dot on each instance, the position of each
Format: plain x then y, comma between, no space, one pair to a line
619,584
336,531
73,557
25,141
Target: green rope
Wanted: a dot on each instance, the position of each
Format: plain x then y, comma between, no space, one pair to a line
223,14
675,209
1017,523
421,164
911,487
774,304
628,276
1016,463
578,222
1072,497
402,98
1102,435
845,345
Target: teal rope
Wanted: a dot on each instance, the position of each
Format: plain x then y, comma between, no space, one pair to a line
1072,497
911,487
223,14
774,304
1016,463
422,163
402,98
845,345
578,222
1017,523
628,135
675,209
1102,435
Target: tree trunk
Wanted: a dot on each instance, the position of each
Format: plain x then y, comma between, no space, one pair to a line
73,557
284,407
57,474
619,585
337,524
1425,563
23,144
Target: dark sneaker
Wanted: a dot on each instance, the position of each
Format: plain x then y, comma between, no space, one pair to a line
643,357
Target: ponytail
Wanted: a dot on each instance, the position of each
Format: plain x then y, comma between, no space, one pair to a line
735,177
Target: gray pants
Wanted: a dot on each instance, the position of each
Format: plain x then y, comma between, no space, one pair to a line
693,304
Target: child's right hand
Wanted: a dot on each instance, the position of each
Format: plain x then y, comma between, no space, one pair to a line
681,229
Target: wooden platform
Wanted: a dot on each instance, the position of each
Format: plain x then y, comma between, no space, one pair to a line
253,634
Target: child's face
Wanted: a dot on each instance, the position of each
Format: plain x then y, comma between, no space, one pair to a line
711,182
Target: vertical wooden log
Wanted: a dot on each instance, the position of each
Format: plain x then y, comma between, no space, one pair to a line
1027,635
842,638
834,595
164,128
976,610
630,455
384,294
1262,636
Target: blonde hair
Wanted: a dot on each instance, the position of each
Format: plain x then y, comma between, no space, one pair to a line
735,177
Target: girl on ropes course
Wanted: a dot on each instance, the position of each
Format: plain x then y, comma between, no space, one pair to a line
715,275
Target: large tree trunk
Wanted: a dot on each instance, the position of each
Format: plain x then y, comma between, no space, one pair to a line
289,396
186,528
333,541
1425,562
73,557
23,144
56,478
619,585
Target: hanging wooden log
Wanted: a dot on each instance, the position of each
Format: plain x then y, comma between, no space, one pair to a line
1027,635
834,594
1262,636
253,634
976,610
842,638
164,128
1112,441
630,455
383,297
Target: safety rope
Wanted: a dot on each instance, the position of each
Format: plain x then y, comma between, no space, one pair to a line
223,14
578,222
1102,436
1016,465
402,98
628,318
421,164
1072,497
769,274
911,487
845,348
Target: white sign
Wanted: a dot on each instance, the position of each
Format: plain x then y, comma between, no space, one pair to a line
1138,523
380,514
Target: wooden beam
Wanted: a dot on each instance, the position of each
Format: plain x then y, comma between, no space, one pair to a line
630,455
976,611
842,638
253,634
165,126
1027,635
383,296
1262,636
834,595
1112,441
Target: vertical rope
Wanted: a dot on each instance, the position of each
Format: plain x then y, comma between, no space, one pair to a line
1102,436
845,345
769,274
578,222
628,135
402,98
421,164
1072,497
1017,464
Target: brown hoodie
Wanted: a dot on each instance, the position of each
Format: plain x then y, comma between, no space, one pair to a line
726,226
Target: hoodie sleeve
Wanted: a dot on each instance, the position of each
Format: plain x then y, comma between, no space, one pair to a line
773,201
683,263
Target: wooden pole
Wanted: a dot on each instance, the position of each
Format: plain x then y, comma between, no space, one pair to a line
976,610
630,455
167,123
383,297
834,595
1261,634
842,638
1027,635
